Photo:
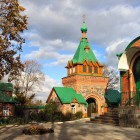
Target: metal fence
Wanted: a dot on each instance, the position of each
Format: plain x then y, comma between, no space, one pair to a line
130,98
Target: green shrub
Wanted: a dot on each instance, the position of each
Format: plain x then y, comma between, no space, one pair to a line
3,121
58,116
78,114
68,116
19,111
52,112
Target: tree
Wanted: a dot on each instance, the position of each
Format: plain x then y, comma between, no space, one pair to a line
38,102
12,24
26,82
113,78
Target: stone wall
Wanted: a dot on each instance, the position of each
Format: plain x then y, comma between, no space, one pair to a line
129,116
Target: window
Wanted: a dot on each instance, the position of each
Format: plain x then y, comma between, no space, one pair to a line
73,69
95,69
70,70
87,50
5,111
84,68
73,109
90,69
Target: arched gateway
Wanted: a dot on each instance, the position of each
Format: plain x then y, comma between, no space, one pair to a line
137,74
95,103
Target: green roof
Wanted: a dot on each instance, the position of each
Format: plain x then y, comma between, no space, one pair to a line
31,107
82,55
113,96
67,95
132,42
4,98
129,45
6,86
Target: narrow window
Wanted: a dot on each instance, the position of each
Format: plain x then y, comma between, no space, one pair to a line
95,69
84,68
90,69
73,69
70,70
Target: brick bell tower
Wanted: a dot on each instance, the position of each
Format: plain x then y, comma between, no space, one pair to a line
85,75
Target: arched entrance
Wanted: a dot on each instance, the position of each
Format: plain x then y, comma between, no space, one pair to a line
92,106
137,73
137,79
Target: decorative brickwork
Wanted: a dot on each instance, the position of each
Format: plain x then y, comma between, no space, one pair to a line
89,86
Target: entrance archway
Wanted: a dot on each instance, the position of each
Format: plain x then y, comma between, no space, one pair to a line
137,74
137,79
92,106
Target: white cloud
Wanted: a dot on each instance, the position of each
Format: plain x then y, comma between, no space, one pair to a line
61,60
43,90
113,49
54,27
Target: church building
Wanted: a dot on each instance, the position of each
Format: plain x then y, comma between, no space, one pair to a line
129,66
84,85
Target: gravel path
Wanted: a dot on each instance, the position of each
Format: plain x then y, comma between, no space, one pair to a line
73,130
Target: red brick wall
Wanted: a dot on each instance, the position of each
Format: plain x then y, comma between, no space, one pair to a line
125,82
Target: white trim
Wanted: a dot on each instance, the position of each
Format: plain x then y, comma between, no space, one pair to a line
123,64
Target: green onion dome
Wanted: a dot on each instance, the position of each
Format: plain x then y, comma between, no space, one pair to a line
84,27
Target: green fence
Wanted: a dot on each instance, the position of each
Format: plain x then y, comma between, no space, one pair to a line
138,98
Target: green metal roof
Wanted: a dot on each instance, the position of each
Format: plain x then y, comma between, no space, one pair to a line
67,95
82,55
113,96
129,45
31,107
132,42
6,86
4,98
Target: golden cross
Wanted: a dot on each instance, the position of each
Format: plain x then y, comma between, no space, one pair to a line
84,17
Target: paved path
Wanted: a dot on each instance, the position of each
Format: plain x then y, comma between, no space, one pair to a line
75,130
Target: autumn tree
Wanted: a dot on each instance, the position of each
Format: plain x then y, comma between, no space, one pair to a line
113,77
12,24
27,82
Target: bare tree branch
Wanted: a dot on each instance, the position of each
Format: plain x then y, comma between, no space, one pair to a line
27,80
113,78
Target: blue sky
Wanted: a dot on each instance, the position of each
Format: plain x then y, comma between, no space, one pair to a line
54,32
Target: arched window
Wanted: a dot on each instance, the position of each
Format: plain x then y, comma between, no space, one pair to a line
95,69
90,69
84,68
73,109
